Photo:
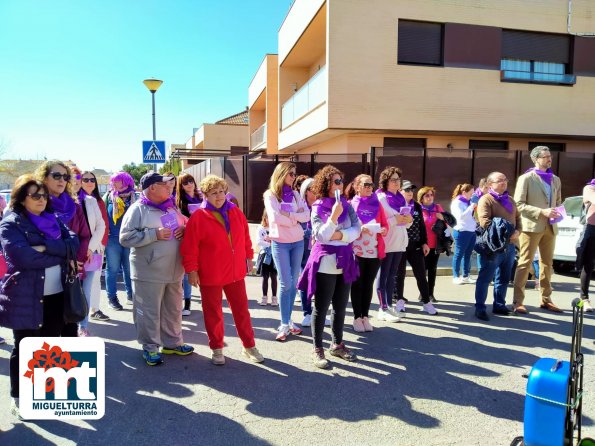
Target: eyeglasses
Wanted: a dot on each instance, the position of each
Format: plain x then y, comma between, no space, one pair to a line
57,175
88,180
292,174
545,156
394,180
37,196
338,181
368,185
187,182
409,189
504,180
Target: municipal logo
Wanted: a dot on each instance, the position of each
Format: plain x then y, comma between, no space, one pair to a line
62,378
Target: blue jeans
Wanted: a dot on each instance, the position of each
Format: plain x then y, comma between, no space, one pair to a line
288,260
386,281
87,288
115,256
499,268
187,287
464,244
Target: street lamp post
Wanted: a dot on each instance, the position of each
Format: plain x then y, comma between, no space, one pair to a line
153,85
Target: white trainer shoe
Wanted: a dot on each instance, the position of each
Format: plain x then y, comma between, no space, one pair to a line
429,308
457,281
587,306
400,306
389,316
468,279
307,321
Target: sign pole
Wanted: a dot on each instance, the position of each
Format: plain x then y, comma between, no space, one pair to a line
154,129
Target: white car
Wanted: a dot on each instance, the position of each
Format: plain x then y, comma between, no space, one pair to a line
569,231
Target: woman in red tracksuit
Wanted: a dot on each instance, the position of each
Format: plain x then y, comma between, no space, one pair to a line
216,254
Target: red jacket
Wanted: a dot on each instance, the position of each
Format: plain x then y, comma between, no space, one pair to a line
206,248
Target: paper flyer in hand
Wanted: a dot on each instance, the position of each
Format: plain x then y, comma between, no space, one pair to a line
373,227
560,210
94,263
170,220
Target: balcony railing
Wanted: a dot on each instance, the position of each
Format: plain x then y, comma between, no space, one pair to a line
312,94
258,136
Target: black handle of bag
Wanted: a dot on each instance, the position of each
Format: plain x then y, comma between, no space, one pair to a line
72,271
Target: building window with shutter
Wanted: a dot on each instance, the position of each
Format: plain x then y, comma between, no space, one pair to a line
487,144
420,43
535,58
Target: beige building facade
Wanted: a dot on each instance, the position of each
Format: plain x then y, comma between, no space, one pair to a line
462,74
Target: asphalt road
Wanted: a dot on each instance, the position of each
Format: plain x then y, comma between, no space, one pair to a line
439,380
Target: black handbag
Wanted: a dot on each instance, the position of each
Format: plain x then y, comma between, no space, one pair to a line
259,262
76,307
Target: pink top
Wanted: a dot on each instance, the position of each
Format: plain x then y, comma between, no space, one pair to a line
429,220
284,229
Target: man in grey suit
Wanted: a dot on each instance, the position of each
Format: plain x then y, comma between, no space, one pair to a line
537,194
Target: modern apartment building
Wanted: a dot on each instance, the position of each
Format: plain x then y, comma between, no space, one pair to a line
460,74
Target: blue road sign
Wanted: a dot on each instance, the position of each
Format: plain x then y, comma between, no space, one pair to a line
154,152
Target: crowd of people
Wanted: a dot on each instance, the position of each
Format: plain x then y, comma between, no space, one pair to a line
332,242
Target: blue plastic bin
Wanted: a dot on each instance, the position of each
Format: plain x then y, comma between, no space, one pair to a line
545,403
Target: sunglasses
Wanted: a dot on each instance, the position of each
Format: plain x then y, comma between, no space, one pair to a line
88,180
409,189
187,182
57,175
292,174
368,185
338,181
37,196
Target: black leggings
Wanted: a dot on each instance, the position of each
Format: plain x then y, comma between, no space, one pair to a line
363,288
269,271
588,260
329,288
431,261
53,326
415,257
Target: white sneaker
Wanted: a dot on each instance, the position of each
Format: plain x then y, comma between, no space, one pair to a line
186,313
307,321
587,306
282,332
457,280
468,279
429,308
400,306
388,315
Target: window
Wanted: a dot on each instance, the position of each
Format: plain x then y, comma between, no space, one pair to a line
535,58
553,146
420,43
405,143
484,144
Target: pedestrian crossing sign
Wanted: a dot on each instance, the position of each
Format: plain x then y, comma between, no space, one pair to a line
153,152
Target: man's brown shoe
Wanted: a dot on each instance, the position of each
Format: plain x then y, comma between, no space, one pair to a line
551,307
520,309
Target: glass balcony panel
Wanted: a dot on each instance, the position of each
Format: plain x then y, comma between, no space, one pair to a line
311,95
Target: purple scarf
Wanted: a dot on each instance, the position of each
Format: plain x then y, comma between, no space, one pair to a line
478,193
366,208
431,208
464,200
163,207
395,201
345,261
223,210
287,194
129,189
503,199
545,176
592,182
47,224
324,207
64,207
194,199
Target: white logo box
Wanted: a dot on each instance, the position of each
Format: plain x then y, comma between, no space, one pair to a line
88,393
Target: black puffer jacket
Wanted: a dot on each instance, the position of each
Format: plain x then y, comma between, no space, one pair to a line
443,241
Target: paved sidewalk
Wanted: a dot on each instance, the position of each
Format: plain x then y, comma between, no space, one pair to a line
441,380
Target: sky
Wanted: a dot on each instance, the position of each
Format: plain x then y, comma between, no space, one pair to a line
71,72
